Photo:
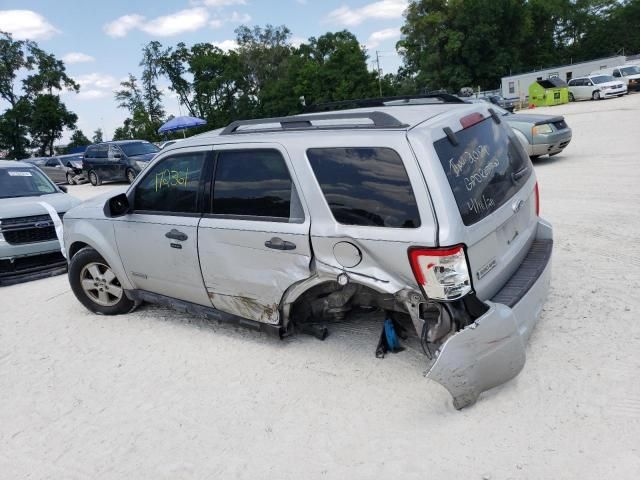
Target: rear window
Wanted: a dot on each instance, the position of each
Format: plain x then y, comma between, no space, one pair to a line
365,186
485,169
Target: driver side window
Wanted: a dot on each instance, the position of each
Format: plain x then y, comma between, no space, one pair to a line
172,185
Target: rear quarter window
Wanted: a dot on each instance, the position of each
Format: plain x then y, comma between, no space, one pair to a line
485,169
365,186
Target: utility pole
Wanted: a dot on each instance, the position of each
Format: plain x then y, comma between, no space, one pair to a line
379,73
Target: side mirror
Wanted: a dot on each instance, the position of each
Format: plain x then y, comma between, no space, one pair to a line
117,206
63,188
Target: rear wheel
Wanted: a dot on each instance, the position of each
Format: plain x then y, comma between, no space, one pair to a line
96,286
131,175
571,97
94,179
596,95
70,179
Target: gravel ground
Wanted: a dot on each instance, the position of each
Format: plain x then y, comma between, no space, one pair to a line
157,394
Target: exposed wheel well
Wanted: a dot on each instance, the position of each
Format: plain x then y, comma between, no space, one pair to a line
76,247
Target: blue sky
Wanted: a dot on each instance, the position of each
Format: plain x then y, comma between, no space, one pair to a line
101,41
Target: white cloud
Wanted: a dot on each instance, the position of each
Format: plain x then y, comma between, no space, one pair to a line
376,38
95,85
120,26
226,45
92,94
384,9
220,3
77,57
216,23
297,41
240,17
26,24
187,20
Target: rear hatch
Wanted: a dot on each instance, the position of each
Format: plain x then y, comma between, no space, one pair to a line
484,192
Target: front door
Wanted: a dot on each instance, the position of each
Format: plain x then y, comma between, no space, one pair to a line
158,241
254,243
54,170
116,162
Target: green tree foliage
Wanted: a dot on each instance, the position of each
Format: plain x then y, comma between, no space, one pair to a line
78,139
34,108
49,118
97,136
456,43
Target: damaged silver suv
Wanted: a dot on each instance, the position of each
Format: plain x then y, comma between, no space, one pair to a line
428,213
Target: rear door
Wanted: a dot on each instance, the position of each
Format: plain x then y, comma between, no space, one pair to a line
254,242
483,185
158,241
117,163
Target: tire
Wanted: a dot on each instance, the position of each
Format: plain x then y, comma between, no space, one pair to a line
94,178
534,157
96,286
131,175
70,180
595,95
571,97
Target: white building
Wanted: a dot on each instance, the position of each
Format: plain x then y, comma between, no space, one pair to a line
516,87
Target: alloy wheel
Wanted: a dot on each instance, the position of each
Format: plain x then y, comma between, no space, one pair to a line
100,284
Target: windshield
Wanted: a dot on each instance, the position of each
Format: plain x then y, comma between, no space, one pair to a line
633,70
138,148
24,182
603,79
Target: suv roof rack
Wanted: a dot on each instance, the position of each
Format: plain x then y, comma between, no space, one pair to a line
305,122
382,102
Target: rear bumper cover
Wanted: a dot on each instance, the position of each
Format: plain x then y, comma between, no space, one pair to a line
491,351
550,144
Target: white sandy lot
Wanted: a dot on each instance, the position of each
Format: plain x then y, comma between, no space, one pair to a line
160,395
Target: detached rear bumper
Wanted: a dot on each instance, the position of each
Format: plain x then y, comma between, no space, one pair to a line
491,351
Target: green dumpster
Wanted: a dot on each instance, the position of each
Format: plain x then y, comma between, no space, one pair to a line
553,91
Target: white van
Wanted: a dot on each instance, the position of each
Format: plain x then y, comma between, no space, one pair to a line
629,72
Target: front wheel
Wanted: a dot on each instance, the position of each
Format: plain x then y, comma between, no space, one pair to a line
571,97
94,179
96,286
131,175
596,95
70,180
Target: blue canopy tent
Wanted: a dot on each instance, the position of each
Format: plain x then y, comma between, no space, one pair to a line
181,123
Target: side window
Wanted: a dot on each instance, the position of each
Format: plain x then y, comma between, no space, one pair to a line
172,185
90,152
101,151
113,151
365,186
255,183
52,162
512,87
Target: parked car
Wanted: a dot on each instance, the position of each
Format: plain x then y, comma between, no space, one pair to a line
538,134
61,168
596,87
501,102
427,212
117,160
29,246
629,73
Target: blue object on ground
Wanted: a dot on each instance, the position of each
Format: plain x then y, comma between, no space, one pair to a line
392,337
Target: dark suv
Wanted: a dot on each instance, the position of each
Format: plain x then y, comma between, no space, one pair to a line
117,161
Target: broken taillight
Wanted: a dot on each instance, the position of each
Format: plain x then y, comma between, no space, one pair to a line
537,192
442,273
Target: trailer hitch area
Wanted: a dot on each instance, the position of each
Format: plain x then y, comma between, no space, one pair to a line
483,355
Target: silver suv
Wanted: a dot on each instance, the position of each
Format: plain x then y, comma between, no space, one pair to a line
426,212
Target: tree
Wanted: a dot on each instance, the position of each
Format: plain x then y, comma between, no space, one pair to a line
97,136
78,139
49,118
34,107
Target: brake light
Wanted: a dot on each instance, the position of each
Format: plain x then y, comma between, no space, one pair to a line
442,273
537,193
471,119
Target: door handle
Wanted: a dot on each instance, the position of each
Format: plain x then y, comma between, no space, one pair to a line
278,244
176,235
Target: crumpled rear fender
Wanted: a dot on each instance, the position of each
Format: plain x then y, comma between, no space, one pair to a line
483,355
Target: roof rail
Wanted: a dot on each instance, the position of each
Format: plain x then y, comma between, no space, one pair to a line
304,122
382,102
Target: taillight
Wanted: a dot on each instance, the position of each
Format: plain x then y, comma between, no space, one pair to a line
537,200
442,273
